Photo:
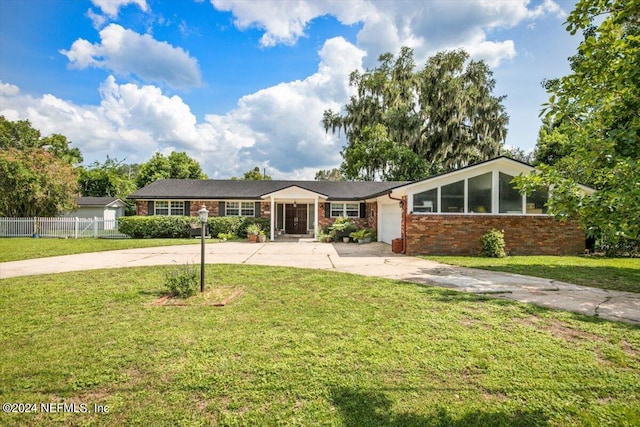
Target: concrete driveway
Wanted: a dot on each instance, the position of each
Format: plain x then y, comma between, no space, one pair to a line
373,259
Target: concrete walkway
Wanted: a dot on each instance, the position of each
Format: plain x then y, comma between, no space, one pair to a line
374,259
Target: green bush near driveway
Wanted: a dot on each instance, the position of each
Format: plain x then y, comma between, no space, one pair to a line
153,227
305,347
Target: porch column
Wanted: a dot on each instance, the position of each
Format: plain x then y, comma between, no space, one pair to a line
273,218
315,218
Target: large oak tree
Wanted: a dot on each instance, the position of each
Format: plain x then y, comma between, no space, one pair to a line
405,123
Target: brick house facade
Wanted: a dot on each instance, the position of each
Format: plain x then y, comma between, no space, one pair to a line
445,214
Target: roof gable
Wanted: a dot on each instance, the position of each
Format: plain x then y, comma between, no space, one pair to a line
503,164
99,201
293,192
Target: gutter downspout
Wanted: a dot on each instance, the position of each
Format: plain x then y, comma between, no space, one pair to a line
404,222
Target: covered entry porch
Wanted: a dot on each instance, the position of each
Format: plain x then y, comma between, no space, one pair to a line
294,211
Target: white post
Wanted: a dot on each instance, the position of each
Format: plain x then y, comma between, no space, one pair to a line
76,225
315,219
273,219
95,226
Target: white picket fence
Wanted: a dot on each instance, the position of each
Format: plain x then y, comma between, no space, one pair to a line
64,228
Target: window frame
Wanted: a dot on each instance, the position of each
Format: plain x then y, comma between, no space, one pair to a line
240,209
168,208
492,209
344,209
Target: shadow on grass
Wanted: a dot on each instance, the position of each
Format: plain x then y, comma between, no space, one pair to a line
370,408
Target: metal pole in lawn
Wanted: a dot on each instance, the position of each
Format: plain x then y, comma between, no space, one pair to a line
203,213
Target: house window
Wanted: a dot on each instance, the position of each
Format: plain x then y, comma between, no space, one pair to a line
351,210
427,201
240,209
165,207
537,200
247,209
177,208
479,194
453,197
510,197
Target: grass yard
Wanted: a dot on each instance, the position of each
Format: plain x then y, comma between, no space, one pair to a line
18,248
306,347
621,274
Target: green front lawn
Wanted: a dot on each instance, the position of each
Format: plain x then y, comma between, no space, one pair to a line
18,248
306,347
622,274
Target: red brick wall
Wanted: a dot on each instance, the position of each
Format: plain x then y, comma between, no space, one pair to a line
368,222
212,206
523,234
141,208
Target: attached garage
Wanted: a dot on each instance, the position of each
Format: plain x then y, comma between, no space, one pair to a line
389,222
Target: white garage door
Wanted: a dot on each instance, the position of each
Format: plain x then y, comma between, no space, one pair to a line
389,222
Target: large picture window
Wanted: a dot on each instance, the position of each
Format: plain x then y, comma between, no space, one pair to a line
427,201
351,210
166,207
537,200
240,209
453,197
510,197
479,190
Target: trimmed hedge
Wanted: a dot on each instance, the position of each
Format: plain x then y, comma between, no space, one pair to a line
155,227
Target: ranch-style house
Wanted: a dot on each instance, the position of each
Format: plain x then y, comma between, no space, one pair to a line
442,214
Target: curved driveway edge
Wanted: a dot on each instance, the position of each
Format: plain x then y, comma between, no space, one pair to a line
373,259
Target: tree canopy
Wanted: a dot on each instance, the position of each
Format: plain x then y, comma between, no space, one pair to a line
254,175
37,174
105,179
177,165
334,174
591,126
35,183
405,124
21,135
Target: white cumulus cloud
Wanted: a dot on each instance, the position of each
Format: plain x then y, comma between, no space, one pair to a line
278,128
112,7
126,52
425,26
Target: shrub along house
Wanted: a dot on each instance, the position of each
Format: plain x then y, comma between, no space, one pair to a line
443,214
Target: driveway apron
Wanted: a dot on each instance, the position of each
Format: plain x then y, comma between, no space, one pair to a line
373,259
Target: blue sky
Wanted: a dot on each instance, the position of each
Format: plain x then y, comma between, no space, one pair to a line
238,83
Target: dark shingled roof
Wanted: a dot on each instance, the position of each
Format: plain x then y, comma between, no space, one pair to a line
95,201
253,190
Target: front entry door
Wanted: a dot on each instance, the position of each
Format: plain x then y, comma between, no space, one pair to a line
295,219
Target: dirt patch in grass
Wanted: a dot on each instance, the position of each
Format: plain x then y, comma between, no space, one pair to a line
213,296
560,330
